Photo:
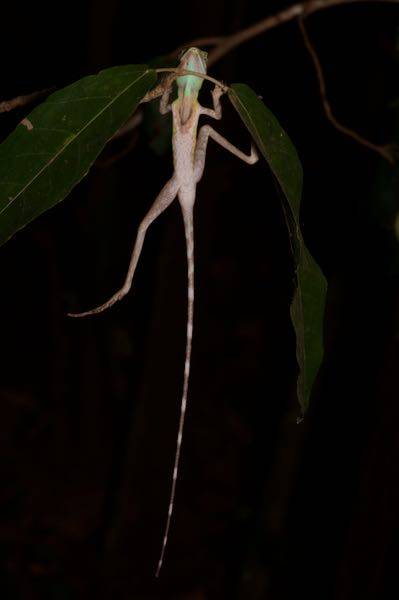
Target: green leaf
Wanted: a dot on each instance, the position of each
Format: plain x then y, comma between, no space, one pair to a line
307,307
307,315
272,141
53,148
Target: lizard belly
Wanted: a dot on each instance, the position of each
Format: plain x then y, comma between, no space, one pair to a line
184,168
184,157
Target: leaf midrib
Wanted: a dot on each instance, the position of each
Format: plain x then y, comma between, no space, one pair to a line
72,140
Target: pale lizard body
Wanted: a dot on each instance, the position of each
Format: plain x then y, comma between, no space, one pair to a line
189,151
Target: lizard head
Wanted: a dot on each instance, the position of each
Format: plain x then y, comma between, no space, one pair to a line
192,59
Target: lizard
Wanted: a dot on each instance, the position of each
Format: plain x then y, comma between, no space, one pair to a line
189,152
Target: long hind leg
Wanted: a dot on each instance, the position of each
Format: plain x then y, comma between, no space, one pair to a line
162,201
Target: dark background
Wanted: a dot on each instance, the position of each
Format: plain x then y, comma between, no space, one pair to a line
265,508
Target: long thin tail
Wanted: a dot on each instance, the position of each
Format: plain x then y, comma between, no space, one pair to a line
189,233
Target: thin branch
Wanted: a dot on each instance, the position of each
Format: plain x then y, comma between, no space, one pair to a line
178,72
8,105
201,42
167,81
174,73
293,12
159,89
386,150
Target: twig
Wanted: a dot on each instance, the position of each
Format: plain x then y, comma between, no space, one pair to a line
8,105
383,150
198,43
173,73
159,89
284,16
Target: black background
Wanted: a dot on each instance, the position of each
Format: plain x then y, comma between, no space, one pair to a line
265,508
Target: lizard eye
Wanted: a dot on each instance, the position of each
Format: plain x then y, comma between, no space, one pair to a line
204,56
